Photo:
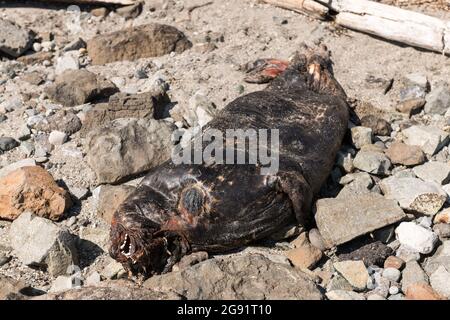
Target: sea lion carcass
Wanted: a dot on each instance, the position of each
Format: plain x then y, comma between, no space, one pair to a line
183,208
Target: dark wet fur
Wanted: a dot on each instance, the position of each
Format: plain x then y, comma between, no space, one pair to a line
182,208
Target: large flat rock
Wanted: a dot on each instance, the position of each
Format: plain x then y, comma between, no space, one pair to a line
150,40
251,276
341,220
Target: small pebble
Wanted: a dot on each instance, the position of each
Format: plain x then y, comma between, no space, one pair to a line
392,274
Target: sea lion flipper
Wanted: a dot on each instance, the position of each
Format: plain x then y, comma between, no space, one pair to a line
264,70
294,185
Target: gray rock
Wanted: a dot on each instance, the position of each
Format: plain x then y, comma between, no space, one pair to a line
372,162
7,143
191,259
344,160
341,220
112,269
433,171
379,126
414,194
438,100
361,136
382,285
122,105
27,148
24,133
398,296
233,277
11,104
413,273
110,290
68,61
413,86
440,281
76,87
14,40
32,121
16,165
442,230
425,222
62,120
128,147
99,236
64,283
57,138
75,45
198,112
416,237
362,178
360,183
39,242
394,290
407,254
430,139
440,258
339,283
315,238
392,274
79,192
416,79
93,279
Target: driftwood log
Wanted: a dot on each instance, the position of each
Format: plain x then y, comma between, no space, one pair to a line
385,21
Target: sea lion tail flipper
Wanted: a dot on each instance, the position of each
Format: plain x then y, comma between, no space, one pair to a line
264,70
299,192
319,69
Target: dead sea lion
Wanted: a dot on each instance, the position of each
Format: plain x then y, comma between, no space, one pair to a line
182,208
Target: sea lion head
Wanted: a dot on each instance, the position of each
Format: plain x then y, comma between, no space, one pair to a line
140,245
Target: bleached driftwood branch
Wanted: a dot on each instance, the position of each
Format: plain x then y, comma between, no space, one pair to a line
388,22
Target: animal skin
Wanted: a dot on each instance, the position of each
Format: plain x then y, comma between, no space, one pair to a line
178,209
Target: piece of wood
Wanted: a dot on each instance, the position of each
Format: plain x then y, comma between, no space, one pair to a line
385,21
392,23
308,7
121,2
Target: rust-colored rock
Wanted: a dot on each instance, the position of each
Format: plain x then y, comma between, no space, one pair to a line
32,189
400,153
36,58
394,262
421,291
150,40
442,217
304,255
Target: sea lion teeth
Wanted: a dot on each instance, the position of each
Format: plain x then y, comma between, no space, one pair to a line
180,207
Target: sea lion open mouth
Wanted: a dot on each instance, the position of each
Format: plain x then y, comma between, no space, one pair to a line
182,207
